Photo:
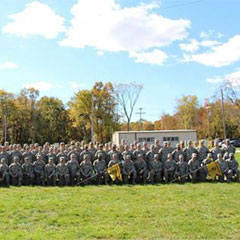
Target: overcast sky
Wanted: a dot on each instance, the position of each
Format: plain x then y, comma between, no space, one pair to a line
172,47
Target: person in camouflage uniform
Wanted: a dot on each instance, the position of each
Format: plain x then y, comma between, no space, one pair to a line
177,152
163,152
128,171
86,170
127,152
194,166
139,151
50,173
29,155
150,156
189,150
229,147
28,174
169,168
104,154
216,150
141,169
224,168
74,169
100,166
233,168
15,172
4,154
62,173
181,169
38,169
202,152
156,168
4,172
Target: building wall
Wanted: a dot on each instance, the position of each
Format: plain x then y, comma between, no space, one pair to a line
149,137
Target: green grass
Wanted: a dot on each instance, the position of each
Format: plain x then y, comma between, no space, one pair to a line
190,211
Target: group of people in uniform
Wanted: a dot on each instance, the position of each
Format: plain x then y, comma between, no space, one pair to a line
82,164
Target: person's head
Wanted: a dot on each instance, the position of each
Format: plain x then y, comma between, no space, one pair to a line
168,144
194,156
178,146
156,142
73,157
100,156
165,143
19,147
202,142
3,161
101,147
219,156
27,160
156,157
190,143
128,158
16,159
85,158
216,144
152,147
39,157
209,155
226,155
114,156
50,160
114,147
138,146
140,157
227,141
62,160
181,158
126,147
182,144
169,156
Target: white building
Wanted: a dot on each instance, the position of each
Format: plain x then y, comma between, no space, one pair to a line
174,136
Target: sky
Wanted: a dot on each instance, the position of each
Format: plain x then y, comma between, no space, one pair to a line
172,47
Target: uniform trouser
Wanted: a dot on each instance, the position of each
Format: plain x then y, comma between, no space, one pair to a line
28,179
5,179
196,176
102,178
204,173
141,176
51,181
224,174
234,173
39,179
16,180
63,180
155,177
180,177
127,178
168,175
86,180
74,178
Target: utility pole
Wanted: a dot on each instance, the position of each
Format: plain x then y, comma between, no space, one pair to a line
140,119
223,116
92,120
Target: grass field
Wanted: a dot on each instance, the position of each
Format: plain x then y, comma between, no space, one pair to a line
190,211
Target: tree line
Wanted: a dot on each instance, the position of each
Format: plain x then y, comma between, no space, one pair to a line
27,118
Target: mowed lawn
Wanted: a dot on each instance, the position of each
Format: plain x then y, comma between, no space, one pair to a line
190,211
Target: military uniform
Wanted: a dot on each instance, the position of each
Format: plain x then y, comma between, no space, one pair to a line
129,172
86,170
100,169
28,174
202,153
169,170
225,170
215,151
181,171
62,173
189,152
4,173
204,169
163,154
141,170
193,166
15,172
38,169
50,174
233,169
156,168
74,171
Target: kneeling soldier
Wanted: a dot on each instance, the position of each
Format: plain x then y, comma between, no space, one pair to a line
86,170
62,173
128,170
182,169
224,168
156,168
73,167
141,169
233,167
100,169
28,175
15,172
50,173
4,172
205,162
38,169
169,168
194,166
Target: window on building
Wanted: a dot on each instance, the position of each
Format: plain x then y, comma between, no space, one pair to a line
171,139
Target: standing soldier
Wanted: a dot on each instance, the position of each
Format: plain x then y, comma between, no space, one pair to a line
15,172
128,171
189,150
62,172
229,147
4,172
216,150
177,152
127,152
224,168
156,168
100,166
163,152
182,169
86,170
157,146
233,167
38,169
205,162
86,152
4,154
169,168
52,155
141,169
73,167
202,152
104,154
150,156
114,152
28,175
194,166
28,154
139,151
15,153
50,173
